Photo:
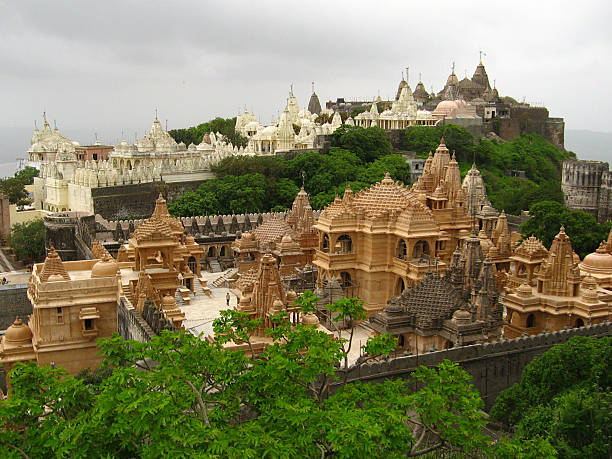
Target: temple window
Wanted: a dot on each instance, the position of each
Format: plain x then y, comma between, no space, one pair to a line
402,250
60,316
421,249
401,341
344,244
89,324
530,321
325,244
345,279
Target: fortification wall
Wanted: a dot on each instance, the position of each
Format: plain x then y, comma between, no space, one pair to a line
493,366
130,324
587,186
14,302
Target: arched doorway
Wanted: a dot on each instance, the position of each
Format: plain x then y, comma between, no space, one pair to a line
400,286
191,262
421,249
344,244
530,323
325,243
222,252
402,250
212,252
579,323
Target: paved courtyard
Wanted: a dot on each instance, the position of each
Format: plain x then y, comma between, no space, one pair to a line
204,309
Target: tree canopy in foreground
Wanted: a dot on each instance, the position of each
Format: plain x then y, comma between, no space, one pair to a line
181,396
565,397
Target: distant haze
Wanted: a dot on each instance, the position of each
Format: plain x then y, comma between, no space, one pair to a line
105,66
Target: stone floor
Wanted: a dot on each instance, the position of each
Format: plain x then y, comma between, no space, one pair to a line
16,277
204,309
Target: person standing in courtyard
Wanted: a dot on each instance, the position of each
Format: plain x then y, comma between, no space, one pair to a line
227,298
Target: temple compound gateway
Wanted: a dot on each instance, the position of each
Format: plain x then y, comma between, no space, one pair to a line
386,237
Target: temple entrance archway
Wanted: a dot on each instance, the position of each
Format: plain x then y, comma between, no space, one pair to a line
579,323
212,252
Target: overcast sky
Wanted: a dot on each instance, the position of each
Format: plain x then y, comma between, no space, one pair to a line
105,66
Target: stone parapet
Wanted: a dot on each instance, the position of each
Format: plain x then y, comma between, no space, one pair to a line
493,366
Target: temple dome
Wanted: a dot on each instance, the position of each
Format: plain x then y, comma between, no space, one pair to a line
18,333
310,319
462,316
106,267
598,262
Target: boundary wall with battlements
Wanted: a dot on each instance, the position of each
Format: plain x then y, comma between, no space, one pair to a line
493,366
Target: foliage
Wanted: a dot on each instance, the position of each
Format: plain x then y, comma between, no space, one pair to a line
325,176
194,135
423,139
368,144
14,190
582,228
28,240
182,396
27,174
564,396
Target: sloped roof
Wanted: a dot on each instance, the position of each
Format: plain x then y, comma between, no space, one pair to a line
428,304
53,266
272,230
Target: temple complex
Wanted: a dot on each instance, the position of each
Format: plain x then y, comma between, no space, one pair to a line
458,308
388,236
554,293
292,242
402,114
74,304
268,298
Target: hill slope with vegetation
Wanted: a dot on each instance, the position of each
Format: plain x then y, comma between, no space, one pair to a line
537,157
359,157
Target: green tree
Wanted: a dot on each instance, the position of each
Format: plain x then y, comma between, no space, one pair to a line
28,240
564,396
27,174
182,396
547,218
367,143
14,190
194,135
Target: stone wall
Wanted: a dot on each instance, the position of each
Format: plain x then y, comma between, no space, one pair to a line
493,366
130,324
14,302
587,186
515,221
71,233
137,200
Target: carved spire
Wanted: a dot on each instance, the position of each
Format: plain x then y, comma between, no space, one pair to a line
53,266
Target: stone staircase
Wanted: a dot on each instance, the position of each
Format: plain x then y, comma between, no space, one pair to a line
227,276
127,293
215,267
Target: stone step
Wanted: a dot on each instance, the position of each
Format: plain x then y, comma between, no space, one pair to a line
215,266
229,275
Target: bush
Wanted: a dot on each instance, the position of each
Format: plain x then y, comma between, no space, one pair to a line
28,240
